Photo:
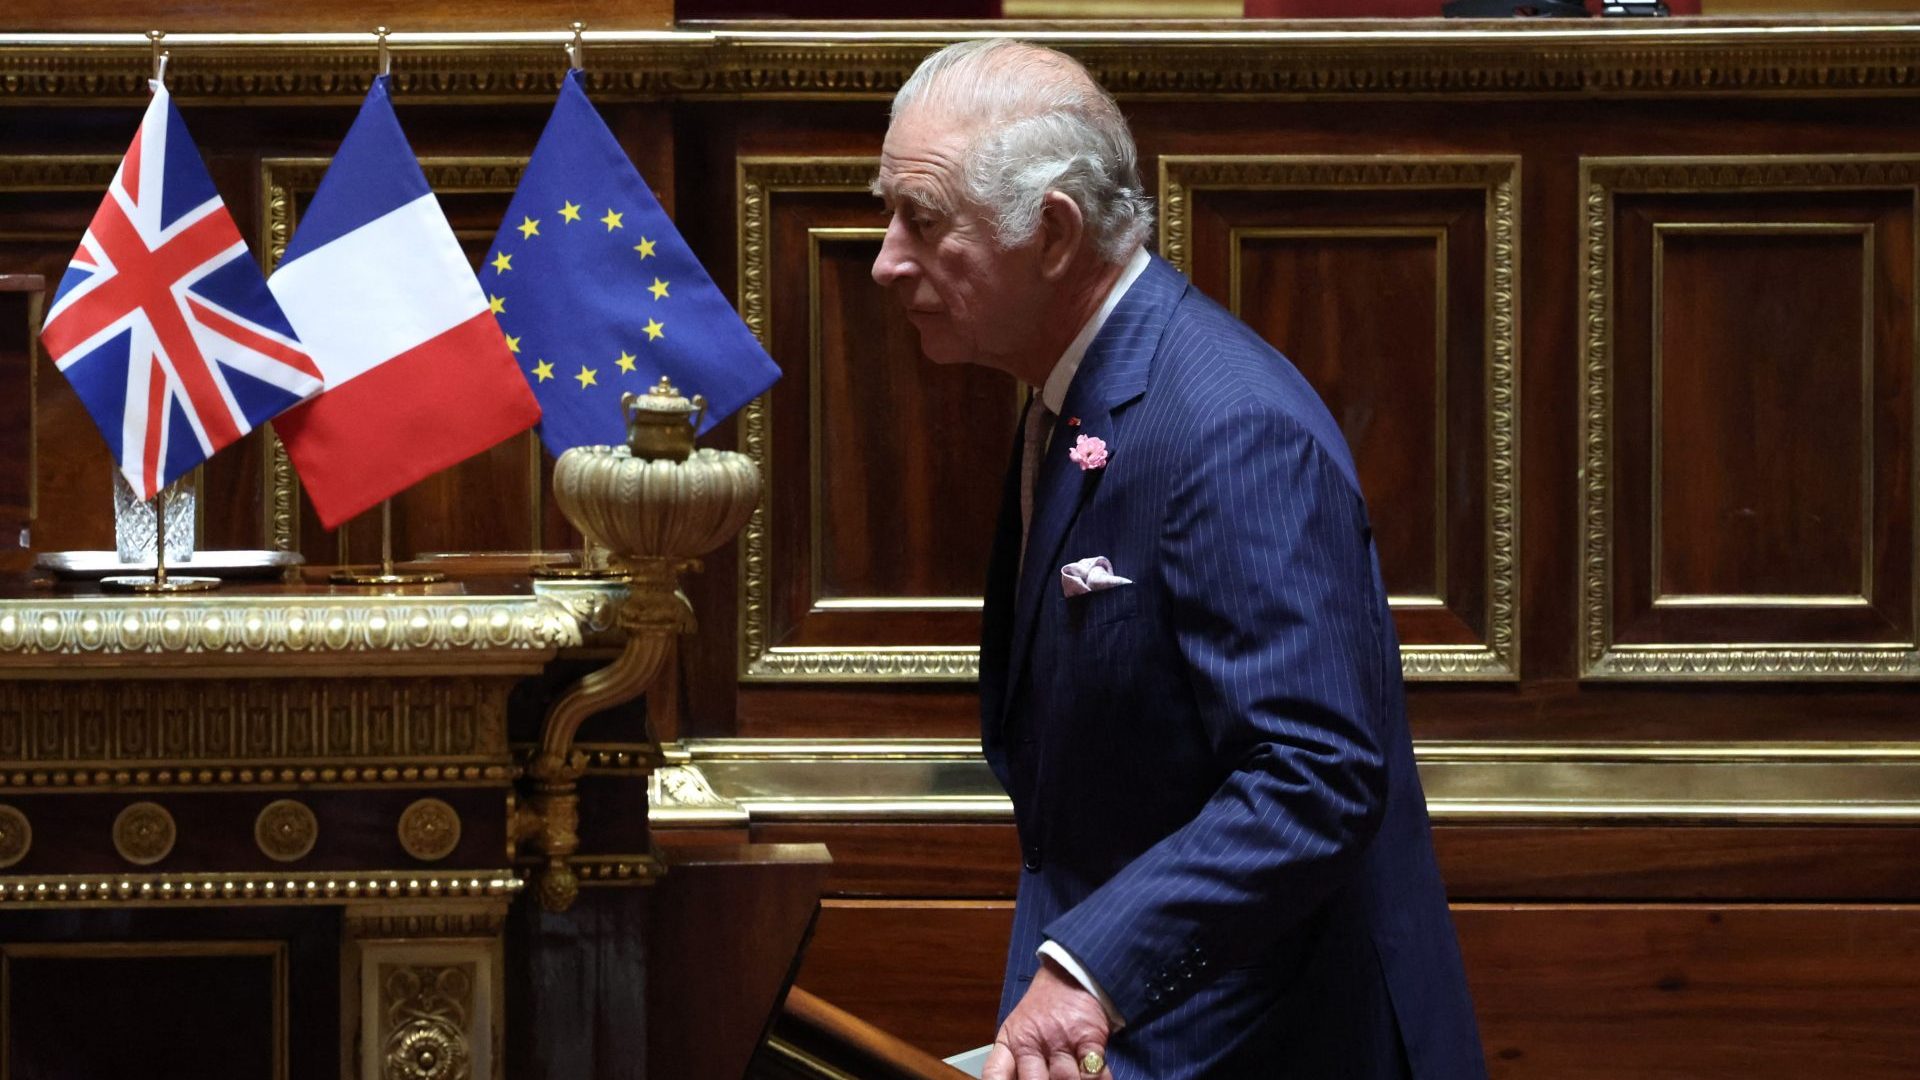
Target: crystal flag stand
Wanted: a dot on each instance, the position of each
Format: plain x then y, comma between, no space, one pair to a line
385,574
160,581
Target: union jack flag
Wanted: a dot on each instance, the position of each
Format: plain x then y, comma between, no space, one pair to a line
163,323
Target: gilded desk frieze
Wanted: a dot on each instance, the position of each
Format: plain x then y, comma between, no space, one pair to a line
90,628
308,729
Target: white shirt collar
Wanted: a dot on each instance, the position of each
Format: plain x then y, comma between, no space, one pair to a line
1054,394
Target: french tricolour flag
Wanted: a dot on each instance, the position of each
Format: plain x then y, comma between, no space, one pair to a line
418,375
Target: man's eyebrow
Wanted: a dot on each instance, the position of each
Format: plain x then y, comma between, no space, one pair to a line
892,193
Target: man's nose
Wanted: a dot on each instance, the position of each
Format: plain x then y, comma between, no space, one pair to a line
894,261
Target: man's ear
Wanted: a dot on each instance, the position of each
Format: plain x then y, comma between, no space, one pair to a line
1062,227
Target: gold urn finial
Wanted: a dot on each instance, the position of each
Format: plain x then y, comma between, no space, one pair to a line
656,505
661,423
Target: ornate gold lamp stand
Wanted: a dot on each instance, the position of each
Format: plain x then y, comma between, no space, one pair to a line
656,504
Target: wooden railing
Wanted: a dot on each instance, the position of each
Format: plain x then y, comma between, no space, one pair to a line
814,1040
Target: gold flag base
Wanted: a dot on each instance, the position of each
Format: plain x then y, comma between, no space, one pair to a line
383,575
577,573
171,583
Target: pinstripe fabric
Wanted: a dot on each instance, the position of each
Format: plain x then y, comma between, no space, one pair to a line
1210,768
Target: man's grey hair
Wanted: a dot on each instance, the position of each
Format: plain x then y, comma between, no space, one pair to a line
1041,124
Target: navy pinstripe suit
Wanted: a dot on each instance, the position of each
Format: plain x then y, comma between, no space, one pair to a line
1210,767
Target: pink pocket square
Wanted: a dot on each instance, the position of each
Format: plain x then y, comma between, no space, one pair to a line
1089,576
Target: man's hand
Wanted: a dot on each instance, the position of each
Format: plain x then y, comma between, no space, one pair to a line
1047,1034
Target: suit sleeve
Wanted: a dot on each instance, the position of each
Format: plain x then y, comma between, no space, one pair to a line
1274,606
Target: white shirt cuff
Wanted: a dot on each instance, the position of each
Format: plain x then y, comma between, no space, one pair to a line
1054,951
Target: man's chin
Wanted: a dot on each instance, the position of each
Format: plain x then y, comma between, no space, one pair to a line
943,352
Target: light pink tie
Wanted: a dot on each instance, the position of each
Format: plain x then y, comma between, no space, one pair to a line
1033,449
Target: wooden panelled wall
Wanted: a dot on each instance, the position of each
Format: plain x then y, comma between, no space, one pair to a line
1621,326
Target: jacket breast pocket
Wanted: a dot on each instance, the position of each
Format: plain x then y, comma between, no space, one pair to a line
1102,607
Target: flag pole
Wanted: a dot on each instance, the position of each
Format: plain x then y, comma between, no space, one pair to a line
160,581
384,574
160,540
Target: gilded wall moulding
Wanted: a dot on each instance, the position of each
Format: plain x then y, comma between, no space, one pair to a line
760,180
208,731
429,829
1202,60
1601,656
144,833
88,629
286,830
16,835
1497,656
947,781
222,889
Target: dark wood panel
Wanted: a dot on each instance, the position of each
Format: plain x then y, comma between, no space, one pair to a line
1479,862
1315,271
933,860
19,294
222,1012
900,507
1761,345
928,971
889,464
1679,992
1601,990
724,929
1729,862
1757,327
1309,291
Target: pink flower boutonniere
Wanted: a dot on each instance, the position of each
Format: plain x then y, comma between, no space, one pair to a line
1089,452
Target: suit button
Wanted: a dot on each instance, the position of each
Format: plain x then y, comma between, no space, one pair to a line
1153,996
1032,860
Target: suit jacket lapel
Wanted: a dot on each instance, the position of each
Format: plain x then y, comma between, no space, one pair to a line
1112,374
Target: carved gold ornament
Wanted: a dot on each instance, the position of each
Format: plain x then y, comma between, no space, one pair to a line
144,833
656,504
426,1050
427,1008
429,830
286,830
16,836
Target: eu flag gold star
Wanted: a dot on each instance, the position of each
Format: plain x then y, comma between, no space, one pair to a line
611,221
586,376
626,361
655,331
542,370
529,228
658,289
570,212
496,304
513,344
645,248
502,263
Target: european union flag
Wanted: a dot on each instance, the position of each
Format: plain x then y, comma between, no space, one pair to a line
599,295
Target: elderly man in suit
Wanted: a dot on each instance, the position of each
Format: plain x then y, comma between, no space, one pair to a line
1190,683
